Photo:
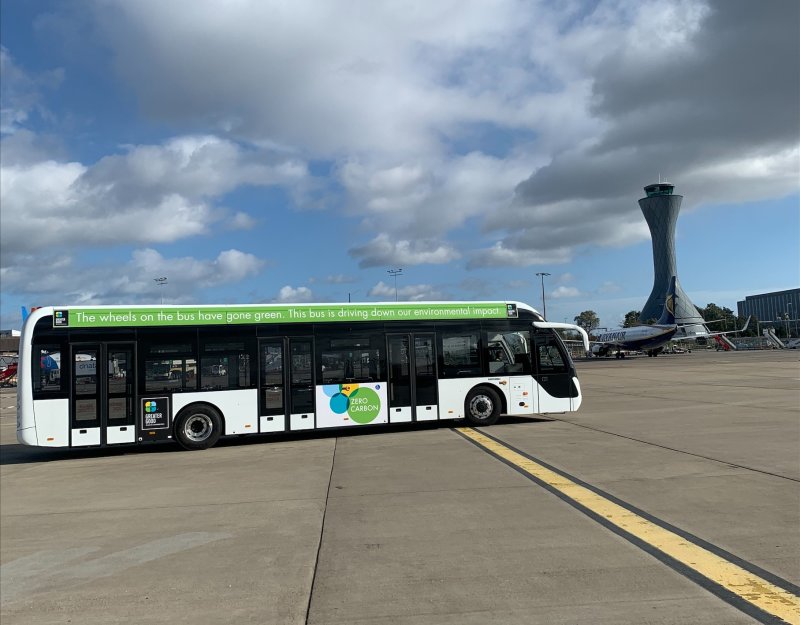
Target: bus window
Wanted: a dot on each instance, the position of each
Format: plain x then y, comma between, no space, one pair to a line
47,378
509,352
354,359
225,366
169,367
460,354
550,356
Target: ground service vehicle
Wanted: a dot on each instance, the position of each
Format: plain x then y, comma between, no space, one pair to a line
115,375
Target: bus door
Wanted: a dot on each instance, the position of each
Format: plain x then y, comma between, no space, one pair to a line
272,386
102,394
553,373
413,390
286,384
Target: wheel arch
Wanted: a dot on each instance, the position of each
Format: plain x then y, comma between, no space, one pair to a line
501,394
204,404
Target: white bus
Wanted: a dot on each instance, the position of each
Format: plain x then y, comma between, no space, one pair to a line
191,374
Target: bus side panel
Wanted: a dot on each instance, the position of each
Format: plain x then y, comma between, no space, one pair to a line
239,408
548,403
52,422
339,405
523,397
453,393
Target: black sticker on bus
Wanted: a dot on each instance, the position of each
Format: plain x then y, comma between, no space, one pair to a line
155,413
511,311
60,318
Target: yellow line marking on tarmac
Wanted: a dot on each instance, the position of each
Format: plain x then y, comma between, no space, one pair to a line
750,587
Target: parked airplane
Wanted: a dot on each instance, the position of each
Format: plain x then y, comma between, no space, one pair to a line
650,339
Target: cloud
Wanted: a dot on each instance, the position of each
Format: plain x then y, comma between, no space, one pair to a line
335,80
67,281
291,295
339,279
150,194
430,196
408,293
530,126
501,256
381,251
21,93
565,291
708,99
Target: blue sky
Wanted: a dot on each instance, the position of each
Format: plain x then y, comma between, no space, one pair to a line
291,152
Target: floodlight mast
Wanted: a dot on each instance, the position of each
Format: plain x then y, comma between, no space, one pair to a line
544,304
394,273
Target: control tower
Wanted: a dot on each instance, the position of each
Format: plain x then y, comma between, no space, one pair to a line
661,208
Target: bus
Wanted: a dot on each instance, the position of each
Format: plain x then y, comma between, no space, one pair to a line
134,375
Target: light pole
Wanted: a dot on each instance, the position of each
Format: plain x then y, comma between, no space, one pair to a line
789,306
394,273
542,274
162,281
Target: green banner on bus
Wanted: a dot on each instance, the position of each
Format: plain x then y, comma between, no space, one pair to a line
121,317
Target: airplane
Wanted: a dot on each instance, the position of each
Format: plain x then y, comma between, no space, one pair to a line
650,339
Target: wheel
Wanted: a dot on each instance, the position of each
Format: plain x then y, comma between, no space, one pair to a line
198,427
482,406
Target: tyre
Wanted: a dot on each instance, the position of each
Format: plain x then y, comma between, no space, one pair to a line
482,406
198,427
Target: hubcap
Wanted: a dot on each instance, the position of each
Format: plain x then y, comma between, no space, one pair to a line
481,407
198,428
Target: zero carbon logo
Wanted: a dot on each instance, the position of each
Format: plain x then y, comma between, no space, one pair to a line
150,406
360,403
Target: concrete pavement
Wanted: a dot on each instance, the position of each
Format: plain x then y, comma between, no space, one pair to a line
414,524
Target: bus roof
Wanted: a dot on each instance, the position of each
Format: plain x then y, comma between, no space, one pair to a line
238,314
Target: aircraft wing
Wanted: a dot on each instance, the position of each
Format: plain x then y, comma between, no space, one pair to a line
708,335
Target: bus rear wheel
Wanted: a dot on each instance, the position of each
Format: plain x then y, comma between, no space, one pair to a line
198,427
482,406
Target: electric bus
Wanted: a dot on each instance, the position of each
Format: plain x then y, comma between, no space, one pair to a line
135,375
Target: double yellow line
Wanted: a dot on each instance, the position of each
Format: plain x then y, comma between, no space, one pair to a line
746,590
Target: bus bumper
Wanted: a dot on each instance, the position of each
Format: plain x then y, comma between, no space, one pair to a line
27,436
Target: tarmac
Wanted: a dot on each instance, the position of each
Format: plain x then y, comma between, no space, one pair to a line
434,524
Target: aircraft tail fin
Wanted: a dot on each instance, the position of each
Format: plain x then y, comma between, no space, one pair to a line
668,316
25,313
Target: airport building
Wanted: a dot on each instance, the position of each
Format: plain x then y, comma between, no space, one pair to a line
660,208
776,306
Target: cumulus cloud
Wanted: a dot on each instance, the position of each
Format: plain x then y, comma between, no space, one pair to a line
533,126
381,251
150,194
708,99
408,293
291,295
69,281
428,197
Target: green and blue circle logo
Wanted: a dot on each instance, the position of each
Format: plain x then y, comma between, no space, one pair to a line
360,403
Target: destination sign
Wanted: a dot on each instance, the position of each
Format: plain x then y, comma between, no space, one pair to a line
121,317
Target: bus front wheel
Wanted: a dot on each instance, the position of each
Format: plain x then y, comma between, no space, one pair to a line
482,406
198,427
